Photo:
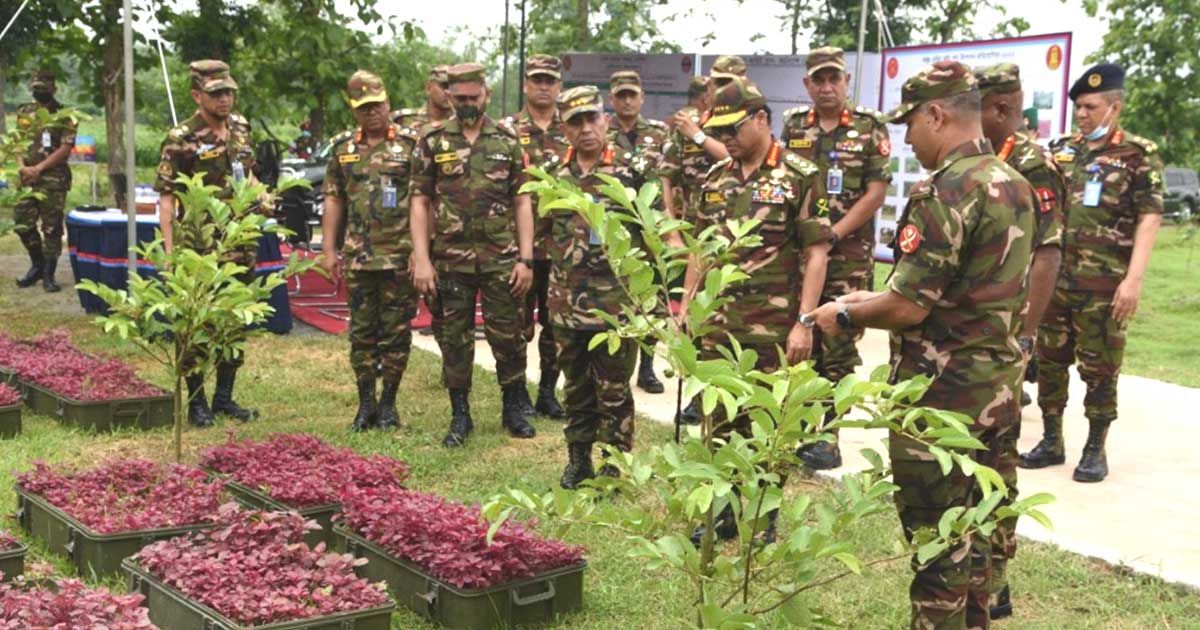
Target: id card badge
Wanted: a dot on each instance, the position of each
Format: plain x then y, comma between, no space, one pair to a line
1091,193
833,179
389,193
46,141
239,171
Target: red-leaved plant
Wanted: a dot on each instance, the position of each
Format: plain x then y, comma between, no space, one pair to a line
8,541
448,540
8,395
255,569
51,361
68,605
300,470
128,495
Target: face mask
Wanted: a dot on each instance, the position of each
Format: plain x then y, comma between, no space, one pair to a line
468,114
1101,130
42,96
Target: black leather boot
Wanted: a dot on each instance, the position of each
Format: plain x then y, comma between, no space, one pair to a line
724,525
512,417
223,397
820,455
547,400
367,410
1002,607
608,470
199,415
646,379
579,465
36,262
1049,451
523,401
388,418
769,533
1093,466
691,413
461,424
48,269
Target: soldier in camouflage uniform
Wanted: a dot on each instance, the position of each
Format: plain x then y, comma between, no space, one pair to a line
642,139
472,169
540,133
597,392
1115,193
45,170
367,182
687,157
762,180
214,142
851,147
953,306
1000,87
437,105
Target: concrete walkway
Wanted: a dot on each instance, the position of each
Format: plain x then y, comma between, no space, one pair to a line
1144,516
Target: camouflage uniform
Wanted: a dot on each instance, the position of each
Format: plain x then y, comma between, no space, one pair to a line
965,242
685,164
373,185
1078,326
646,141
54,182
475,247
419,117
598,398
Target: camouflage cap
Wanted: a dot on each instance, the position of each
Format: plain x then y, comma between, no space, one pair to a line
365,87
735,101
942,79
697,86
437,74
728,67
548,65
579,100
624,81
466,79
825,57
210,75
1001,78
41,78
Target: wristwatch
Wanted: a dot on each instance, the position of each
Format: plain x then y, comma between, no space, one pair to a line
528,262
1026,344
806,320
843,317
699,138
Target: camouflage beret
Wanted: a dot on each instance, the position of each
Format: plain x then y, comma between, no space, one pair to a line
825,57
728,67
437,74
1099,78
1001,78
579,100
210,75
735,101
624,80
548,65
941,80
365,87
41,78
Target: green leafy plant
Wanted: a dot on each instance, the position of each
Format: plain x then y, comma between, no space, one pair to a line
14,143
665,491
198,300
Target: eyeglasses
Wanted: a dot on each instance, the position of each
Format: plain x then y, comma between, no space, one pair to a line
730,130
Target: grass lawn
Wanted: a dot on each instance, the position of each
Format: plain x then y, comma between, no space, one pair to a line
301,382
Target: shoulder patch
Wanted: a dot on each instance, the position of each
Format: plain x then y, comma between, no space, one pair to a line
1149,146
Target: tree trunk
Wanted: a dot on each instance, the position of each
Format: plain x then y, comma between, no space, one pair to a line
3,111
112,89
795,23
583,37
316,116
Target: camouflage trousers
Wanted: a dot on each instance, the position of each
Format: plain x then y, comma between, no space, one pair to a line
949,591
503,315
1004,537
1078,328
596,392
48,212
837,356
382,306
537,298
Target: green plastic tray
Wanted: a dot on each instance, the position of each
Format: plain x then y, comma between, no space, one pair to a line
12,562
10,421
106,415
171,609
537,600
90,552
251,498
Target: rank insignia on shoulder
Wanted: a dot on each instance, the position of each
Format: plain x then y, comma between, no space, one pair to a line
714,196
800,143
442,158
349,158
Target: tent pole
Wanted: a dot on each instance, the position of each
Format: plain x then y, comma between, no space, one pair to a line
862,41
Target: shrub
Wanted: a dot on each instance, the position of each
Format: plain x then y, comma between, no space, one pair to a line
8,541
8,395
70,604
51,361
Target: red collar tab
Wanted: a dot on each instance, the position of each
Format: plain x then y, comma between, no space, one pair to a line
845,120
570,154
608,155
1117,138
811,119
773,155
1006,149
391,134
